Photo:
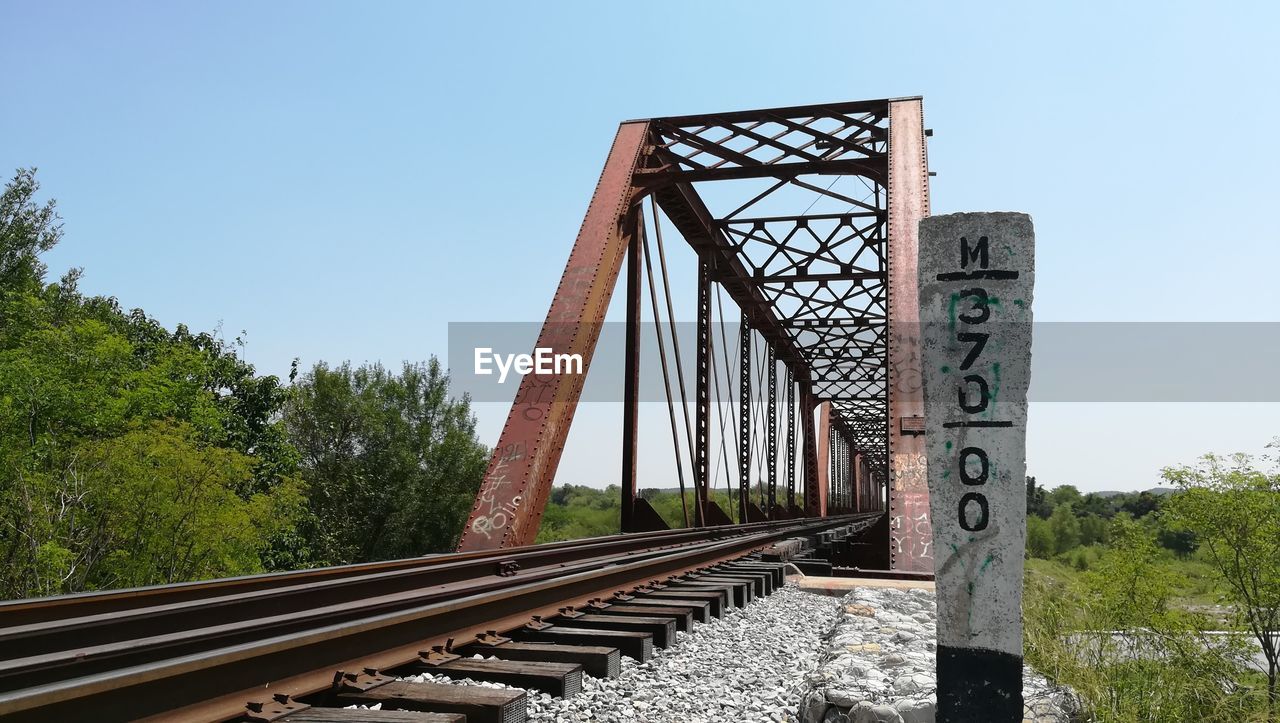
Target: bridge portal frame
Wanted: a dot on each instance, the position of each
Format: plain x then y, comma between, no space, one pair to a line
868,382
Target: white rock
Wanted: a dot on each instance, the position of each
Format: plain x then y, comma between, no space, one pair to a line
915,711
853,678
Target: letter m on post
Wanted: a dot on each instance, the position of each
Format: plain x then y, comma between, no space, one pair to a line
977,253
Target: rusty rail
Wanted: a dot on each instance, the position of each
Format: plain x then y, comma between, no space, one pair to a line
202,651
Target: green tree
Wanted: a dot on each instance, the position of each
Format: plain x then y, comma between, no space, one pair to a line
1093,530
1096,505
85,388
1140,504
1037,503
392,461
1232,505
577,511
1039,538
155,505
1180,542
1063,495
1065,528
27,229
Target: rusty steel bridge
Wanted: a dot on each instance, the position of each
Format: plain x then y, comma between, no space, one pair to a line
831,296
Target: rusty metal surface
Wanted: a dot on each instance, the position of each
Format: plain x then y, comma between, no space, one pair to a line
771,445
822,435
812,496
701,452
744,420
518,480
909,530
631,385
791,444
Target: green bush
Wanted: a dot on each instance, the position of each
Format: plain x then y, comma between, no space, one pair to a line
1039,538
1173,674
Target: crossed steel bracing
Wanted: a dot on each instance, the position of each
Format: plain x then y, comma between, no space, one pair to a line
821,276
790,212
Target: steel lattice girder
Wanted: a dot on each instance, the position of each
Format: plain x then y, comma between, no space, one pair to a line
821,288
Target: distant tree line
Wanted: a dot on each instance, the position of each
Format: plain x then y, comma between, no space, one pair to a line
1062,520
132,455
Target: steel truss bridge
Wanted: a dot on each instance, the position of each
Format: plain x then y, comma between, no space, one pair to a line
831,297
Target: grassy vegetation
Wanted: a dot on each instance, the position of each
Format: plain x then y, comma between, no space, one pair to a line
1201,560
1195,586
577,511
1176,672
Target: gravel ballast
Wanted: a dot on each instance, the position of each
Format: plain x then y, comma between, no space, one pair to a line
794,656
749,665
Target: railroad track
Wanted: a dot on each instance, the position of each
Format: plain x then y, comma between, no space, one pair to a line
300,646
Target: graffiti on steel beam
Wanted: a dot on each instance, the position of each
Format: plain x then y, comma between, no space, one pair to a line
493,513
910,529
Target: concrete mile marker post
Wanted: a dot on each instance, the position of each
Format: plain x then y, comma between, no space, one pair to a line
977,271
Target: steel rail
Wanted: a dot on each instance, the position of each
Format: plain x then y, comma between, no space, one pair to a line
106,640
61,607
26,639
209,672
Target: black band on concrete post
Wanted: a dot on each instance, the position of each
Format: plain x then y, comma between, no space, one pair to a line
978,686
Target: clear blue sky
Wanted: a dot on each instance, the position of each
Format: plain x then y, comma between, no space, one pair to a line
340,181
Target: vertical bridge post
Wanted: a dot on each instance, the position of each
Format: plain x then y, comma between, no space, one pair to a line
744,421
823,482
771,451
790,507
909,540
976,279
702,398
631,379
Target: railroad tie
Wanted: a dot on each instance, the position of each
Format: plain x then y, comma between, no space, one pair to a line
682,616
663,629
700,610
740,593
718,600
748,585
633,644
358,715
596,660
776,570
478,704
761,582
816,567
558,679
